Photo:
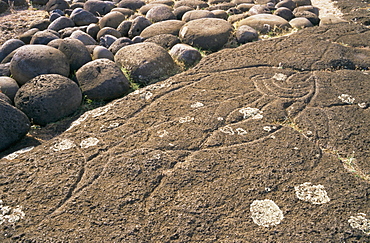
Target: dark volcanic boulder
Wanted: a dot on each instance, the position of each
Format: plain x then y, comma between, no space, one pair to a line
147,62
208,33
83,17
164,27
102,80
5,98
197,14
83,37
131,4
265,22
41,24
100,52
61,23
166,41
14,124
160,13
9,46
138,25
3,7
5,69
8,87
48,98
27,36
98,8
56,4
185,54
119,43
246,34
112,19
43,37
32,60
76,53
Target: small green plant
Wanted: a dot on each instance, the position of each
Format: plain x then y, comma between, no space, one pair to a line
350,164
134,86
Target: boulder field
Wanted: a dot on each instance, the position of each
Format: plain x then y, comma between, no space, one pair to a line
265,142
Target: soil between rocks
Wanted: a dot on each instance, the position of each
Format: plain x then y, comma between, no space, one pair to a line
182,161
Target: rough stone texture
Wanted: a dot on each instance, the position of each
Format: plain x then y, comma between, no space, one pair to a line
165,27
5,69
108,31
197,14
9,46
83,17
185,54
102,52
138,25
265,22
131,4
300,23
98,8
194,4
112,19
8,86
32,60
5,99
119,43
27,36
184,160
48,98
61,23
207,34
160,13
102,80
146,62
43,37
56,4
246,34
14,124
76,53
83,37
41,24
166,41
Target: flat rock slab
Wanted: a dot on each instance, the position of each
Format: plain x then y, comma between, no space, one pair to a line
234,150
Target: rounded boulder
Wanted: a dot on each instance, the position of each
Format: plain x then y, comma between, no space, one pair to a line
147,62
9,46
8,87
160,13
264,23
30,61
101,79
207,34
165,27
76,53
14,125
185,54
48,98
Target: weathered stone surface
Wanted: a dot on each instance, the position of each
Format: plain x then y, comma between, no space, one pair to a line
102,80
76,53
14,124
48,98
108,31
40,24
83,17
124,28
300,23
83,37
112,19
313,18
180,11
185,54
160,13
6,99
194,4
5,69
27,36
8,86
102,52
56,4
32,60
131,4
98,8
107,40
208,33
61,23
165,27
246,34
119,43
197,14
265,22
146,62
166,41
138,25
245,147
9,46
43,37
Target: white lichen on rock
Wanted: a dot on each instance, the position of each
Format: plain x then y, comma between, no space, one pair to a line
360,222
266,213
250,112
9,214
146,96
314,194
241,131
197,105
186,119
63,145
89,142
346,98
227,130
280,76
16,153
